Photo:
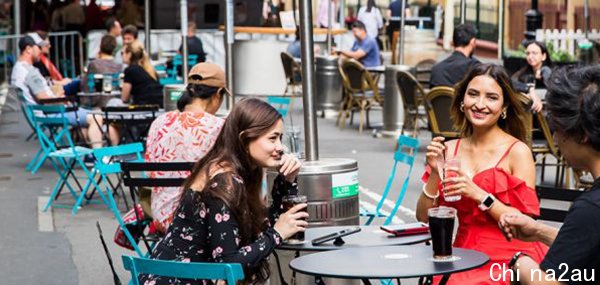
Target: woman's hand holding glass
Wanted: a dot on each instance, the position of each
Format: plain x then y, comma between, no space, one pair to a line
292,221
435,154
289,167
463,185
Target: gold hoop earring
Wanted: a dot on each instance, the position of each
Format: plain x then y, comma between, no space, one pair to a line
503,114
462,107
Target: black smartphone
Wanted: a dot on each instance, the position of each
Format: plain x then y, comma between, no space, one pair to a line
335,235
406,229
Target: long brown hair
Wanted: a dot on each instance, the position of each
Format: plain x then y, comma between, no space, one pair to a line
249,119
140,57
514,123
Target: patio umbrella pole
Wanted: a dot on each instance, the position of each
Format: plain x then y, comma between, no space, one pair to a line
402,18
329,24
184,23
308,80
147,26
229,39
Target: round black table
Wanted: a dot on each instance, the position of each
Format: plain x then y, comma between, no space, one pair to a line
369,236
385,262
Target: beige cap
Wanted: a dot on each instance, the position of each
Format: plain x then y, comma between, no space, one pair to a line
208,74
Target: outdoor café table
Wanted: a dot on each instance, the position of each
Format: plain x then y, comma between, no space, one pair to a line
385,262
369,236
129,118
87,97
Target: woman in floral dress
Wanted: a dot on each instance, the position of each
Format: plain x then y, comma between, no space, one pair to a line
221,215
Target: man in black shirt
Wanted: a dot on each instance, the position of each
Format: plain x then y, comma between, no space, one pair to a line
194,44
452,69
574,254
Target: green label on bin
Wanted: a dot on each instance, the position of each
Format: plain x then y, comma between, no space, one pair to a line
344,185
175,95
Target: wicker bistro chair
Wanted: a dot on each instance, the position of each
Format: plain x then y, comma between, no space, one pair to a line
423,71
360,93
541,149
293,75
437,104
412,95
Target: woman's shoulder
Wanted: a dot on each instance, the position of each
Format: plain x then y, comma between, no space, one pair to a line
518,149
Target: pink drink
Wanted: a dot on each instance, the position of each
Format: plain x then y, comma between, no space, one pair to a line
451,163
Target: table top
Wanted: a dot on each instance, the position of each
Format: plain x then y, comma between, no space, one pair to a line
369,236
385,262
376,69
97,94
133,114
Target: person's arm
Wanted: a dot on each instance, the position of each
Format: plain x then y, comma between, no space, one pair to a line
126,92
281,188
430,194
357,54
522,227
378,18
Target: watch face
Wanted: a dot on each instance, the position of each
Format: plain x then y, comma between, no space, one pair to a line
488,201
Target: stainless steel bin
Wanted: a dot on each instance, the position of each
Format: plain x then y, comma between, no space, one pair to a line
328,83
171,94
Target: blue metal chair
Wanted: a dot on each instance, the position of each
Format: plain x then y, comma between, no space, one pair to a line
281,104
60,149
177,63
410,145
231,272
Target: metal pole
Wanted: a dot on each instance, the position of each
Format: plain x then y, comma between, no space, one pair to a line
147,26
17,11
229,38
402,18
329,24
184,23
500,29
586,17
308,81
463,11
342,13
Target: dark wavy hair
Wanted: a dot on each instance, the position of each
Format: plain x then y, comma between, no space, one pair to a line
200,91
525,74
573,103
513,124
249,119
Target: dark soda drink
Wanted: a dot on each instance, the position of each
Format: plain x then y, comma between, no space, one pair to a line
287,203
441,226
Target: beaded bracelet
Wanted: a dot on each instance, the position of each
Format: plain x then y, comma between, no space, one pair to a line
429,195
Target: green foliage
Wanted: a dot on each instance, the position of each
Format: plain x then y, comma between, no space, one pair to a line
555,55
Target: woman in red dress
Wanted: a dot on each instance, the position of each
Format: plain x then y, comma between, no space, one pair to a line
497,173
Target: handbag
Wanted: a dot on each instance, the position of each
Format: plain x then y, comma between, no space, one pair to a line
130,222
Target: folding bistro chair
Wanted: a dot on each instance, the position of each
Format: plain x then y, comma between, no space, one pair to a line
138,180
405,154
231,272
67,154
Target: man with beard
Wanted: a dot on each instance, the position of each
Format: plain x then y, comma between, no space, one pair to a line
452,69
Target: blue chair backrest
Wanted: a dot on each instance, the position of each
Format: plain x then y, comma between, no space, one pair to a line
231,272
405,154
23,103
53,132
281,104
112,167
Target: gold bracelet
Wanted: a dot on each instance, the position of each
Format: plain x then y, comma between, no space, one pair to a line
429,195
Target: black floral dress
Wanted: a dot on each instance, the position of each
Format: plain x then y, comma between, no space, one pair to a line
204,229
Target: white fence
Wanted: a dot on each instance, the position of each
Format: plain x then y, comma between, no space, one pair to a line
566,40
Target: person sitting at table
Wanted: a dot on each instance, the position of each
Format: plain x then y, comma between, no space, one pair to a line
103,64
113,28
365,48
140,82
451,70
221,215
185,134
194,44
574,112
129,34
497,172
48,69
533,76
34,87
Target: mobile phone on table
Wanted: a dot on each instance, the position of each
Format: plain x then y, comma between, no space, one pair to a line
406,229
335,235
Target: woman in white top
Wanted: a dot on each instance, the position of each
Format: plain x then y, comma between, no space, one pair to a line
371,17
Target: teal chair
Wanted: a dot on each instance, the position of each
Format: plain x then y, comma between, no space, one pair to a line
281,104
60,149
108,162
231,272
405,154
177,63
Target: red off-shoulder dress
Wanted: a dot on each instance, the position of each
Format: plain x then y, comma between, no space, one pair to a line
479,231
